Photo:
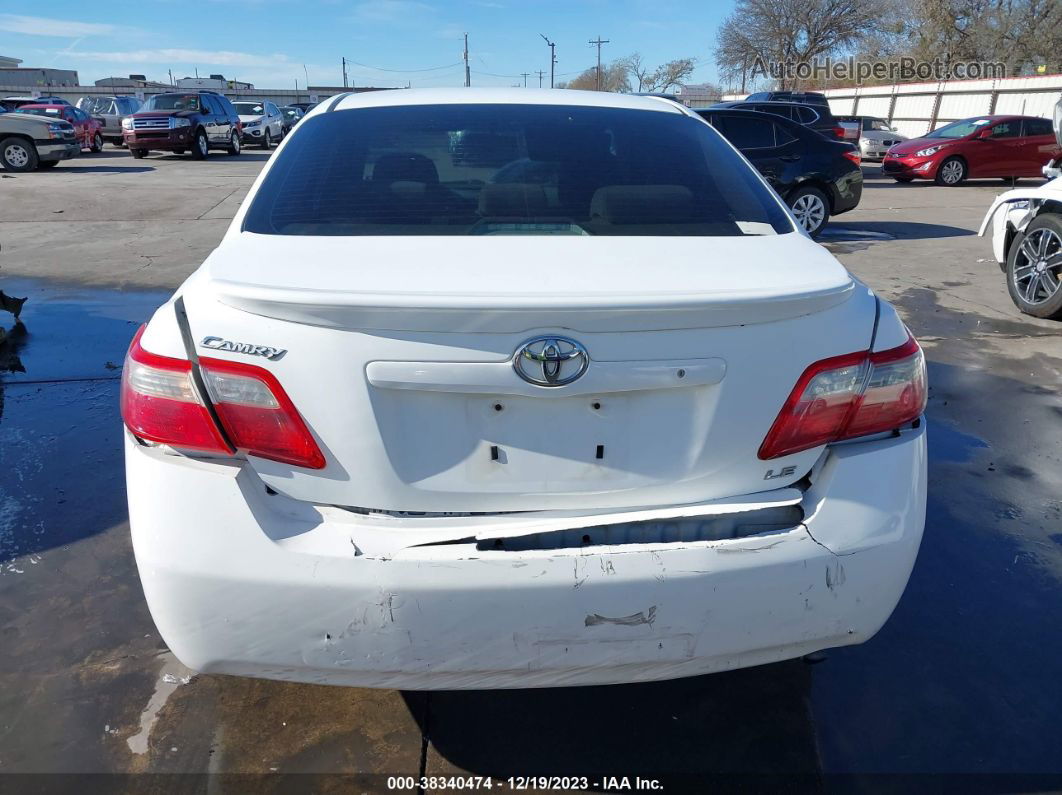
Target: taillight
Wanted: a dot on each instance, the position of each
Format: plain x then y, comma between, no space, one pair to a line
838,133
848,396
160,403
854,156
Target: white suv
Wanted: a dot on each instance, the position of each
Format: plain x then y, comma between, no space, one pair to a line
519,388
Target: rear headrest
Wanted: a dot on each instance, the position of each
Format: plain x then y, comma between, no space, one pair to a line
512,200
405,167
642,204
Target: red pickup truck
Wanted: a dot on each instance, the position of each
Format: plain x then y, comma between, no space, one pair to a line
88,130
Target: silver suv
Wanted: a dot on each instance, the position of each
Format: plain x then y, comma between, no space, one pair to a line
109,112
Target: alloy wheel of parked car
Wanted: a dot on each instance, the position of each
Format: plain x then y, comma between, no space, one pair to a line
1034,268
97,143
811,209
234,144
200,146
267,140
952,172
17,155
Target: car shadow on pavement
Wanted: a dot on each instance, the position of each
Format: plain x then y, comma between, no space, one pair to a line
67,169
751,721
890,230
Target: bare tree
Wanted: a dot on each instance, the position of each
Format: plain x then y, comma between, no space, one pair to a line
792,31
614,77
638,70
671,74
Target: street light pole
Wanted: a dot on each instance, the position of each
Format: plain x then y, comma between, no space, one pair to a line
552,57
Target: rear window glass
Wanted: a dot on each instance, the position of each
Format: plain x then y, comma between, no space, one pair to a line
510,169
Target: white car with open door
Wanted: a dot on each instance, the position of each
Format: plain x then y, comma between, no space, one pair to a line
519,388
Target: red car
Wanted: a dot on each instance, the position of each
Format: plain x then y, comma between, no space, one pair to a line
89,131
984,146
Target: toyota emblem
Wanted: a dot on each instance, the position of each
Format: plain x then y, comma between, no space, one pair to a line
550,361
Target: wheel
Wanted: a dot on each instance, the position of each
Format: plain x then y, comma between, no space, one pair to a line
1034,268
904,179
17,154
200,146
48,164
97,143
138,153
234,143
952,172
811,208
267,140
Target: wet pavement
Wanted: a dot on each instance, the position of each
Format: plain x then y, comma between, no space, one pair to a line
960,691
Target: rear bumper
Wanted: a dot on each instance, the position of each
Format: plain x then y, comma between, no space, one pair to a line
241,582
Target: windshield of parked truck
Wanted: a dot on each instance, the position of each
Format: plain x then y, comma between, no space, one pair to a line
958,129
515,169
172,102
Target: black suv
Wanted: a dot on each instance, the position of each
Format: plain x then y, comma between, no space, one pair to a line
815,117
803,97
195,121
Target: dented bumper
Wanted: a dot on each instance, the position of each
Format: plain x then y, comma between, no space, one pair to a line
243,582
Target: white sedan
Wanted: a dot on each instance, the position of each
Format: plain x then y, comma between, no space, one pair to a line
519,388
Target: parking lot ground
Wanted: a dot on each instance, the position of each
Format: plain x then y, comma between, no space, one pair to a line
963,680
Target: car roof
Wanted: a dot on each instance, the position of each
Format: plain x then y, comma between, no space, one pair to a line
500,96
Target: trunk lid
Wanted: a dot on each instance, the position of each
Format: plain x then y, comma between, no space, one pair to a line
399,355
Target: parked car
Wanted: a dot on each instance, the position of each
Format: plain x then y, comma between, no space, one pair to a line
18,102
407,427
803,97
195,121
875,135
305,107
291,115
1026,226
815,176
109,112
815,117
86,128
982,146
263,123
29,141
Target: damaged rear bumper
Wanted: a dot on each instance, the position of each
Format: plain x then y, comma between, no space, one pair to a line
243,582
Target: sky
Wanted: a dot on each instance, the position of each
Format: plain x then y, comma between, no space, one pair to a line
274,43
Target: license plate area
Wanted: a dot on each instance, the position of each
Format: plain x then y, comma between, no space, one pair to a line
515,443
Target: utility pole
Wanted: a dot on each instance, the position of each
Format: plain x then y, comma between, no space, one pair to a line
307,75
540,74
598,41
344,72
468,74
552,57
525,75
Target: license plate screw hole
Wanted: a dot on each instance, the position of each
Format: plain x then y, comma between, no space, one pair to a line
596,405
499,407
681,373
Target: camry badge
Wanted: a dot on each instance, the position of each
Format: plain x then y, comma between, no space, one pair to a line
218,344
550,361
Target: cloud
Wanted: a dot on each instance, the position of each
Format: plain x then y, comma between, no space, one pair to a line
197,57
390,10
43,26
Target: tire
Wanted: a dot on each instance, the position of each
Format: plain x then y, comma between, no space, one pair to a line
904,180
138,153
200,146
1034,268
267,140
97,143
952,172
235,147
811,208
47,164
18,154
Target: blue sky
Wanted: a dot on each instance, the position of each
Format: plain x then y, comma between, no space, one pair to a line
268,42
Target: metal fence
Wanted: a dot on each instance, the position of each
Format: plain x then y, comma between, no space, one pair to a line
916,108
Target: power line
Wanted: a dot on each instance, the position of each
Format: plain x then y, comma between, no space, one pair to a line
525,75
540,74
405,71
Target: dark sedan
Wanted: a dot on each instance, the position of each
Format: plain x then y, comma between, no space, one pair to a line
815,176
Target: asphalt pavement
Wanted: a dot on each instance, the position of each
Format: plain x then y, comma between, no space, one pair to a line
961,689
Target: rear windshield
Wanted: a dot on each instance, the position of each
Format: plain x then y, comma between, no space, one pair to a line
510,169
249,108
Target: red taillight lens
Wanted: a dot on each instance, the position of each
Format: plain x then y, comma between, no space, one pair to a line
854,156
257,414
847,396
838,133
160,404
